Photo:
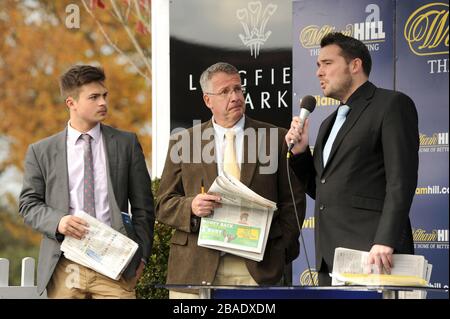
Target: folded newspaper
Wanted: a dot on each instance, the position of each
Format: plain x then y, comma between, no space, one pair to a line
350,267
103,249
241,225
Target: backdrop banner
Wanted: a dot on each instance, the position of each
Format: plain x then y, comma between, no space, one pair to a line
422,73
275,44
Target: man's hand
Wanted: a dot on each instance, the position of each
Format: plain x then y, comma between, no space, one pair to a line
298,136
381,256
73,226
139,271
203,204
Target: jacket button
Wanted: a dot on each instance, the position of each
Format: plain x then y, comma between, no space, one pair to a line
322,207
322,181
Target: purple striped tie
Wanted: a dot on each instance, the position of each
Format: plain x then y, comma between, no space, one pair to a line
88,181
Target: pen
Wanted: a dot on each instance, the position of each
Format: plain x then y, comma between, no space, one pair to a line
195,220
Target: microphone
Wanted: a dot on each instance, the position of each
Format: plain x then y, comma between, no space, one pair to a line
307,106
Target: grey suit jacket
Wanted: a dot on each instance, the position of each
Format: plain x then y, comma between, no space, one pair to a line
44,199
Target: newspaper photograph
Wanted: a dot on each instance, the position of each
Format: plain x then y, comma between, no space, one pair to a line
235,227
241,224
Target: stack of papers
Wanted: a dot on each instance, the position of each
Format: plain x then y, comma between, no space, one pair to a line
350,267
241,225
103,249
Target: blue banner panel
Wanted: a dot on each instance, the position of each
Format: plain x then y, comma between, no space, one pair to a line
306,293
422,40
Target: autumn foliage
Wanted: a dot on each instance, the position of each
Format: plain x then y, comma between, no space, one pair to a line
36,47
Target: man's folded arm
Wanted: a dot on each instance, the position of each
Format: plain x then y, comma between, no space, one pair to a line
32,207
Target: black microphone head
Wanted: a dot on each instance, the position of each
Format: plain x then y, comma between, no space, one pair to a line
308,102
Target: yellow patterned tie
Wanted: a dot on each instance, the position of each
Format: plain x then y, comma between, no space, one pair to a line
230,165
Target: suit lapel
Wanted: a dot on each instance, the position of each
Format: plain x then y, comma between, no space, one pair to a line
209,169
112,153
320,142
358,107
60,156
248,168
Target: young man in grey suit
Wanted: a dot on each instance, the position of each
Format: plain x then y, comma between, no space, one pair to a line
363,174
91,167
181,202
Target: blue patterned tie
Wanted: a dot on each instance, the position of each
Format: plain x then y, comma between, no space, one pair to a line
340,119
88,181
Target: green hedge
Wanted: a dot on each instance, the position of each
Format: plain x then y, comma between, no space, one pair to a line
156,270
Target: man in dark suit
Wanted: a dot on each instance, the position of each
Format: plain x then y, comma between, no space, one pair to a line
203,155
363,173
94,168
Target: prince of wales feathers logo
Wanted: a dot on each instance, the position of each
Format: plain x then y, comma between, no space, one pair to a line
254,22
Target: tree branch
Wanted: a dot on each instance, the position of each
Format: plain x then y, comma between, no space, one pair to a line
132,37
141,17
108,39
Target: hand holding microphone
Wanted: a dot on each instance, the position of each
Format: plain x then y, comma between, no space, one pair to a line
297,136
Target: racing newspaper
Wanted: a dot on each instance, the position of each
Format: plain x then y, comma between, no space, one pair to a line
350,267
241,225
103,249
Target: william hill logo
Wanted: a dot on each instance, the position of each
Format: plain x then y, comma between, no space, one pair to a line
325,101
436,239
311,35
437,139
367,32
305,278
426,29
436,143
308,223
420,235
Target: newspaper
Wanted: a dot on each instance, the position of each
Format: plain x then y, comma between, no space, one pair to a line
241,225
103,249
350,267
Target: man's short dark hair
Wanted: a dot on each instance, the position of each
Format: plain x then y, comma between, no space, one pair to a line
77,76
351,49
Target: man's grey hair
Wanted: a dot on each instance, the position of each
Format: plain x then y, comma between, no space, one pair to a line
213,69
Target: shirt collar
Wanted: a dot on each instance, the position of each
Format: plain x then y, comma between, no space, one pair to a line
73,134
238,127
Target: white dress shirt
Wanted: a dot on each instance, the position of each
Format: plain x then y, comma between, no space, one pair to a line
75,166
219,138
